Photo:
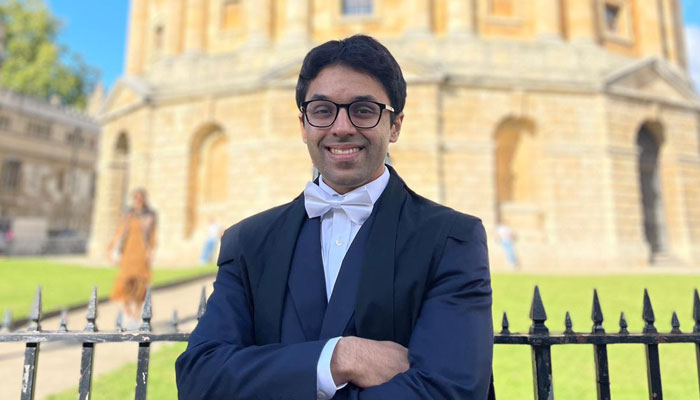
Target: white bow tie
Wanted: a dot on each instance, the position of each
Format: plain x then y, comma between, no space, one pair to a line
356,204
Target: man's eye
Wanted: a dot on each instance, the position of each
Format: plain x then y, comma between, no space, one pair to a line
364,111
321,111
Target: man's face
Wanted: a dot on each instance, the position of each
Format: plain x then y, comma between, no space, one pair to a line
346,156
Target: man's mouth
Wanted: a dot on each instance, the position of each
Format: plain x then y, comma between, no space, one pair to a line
351,150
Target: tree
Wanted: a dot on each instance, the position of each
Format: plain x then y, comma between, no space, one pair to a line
33,63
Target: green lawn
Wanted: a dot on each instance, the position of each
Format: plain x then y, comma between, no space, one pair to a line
65,285
573,366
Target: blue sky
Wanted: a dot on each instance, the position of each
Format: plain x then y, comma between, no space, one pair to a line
96,29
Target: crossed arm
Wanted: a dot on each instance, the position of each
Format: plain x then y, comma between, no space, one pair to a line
448,357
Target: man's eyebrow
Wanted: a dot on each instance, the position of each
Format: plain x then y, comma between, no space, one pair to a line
356,98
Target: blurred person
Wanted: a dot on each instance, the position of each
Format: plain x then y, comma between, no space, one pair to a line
133,243
506,237
359,288
213,237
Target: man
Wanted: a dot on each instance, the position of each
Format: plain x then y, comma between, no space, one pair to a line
359,288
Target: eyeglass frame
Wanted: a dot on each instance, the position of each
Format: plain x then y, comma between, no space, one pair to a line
346,106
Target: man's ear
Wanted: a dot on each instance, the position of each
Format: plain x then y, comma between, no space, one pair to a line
396,128
302,127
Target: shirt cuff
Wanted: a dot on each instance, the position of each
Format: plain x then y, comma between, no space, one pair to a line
325,386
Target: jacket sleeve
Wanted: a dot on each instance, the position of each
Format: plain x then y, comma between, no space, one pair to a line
451,346
223,362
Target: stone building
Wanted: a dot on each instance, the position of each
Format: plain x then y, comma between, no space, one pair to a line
572,121
47,171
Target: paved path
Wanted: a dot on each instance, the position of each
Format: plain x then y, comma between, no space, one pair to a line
59,363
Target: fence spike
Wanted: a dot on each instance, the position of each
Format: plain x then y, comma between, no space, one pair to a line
174,321
648,315
538,314
118,323
597,314
202,303
35,313
623,324
675,323
92,312
505,325
146,312
7,321
63,325
696,312
568,324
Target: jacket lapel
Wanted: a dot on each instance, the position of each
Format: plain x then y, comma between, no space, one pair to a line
269,299
307,286
342,302
374,306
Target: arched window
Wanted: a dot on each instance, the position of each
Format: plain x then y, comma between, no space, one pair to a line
208,185
515,159
649,141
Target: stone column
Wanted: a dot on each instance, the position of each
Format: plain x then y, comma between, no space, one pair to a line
296,21
460,17
194,26
173,28
418,14
581,21
548,19
137,37
258,14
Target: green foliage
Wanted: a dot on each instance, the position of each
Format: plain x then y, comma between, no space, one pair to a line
33,63
65,285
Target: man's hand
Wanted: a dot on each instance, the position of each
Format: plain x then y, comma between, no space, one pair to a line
366,362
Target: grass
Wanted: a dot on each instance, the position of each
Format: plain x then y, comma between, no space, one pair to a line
65,285
573,367
119,384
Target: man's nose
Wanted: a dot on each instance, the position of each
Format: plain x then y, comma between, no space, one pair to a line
342,124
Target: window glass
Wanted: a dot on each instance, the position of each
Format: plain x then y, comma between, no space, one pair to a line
358,7
612,18
10,174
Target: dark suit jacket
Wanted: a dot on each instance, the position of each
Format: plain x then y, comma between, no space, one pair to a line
423,282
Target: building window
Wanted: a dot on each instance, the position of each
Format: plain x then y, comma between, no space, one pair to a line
11,175
4,122
39,130
357,7
612,18
231,14
158,39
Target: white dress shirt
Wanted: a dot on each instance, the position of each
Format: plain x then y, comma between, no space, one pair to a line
337,234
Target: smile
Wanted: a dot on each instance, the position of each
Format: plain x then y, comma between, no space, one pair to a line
344,151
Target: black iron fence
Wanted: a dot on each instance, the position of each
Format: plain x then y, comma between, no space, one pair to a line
34,336
540,341
538,338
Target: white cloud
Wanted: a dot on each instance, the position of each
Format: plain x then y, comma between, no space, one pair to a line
692,40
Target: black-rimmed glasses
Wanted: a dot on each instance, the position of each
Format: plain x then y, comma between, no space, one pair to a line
363,114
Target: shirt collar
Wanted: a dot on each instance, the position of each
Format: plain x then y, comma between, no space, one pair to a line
375,188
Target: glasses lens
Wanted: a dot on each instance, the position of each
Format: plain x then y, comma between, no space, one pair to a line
364,114
321,112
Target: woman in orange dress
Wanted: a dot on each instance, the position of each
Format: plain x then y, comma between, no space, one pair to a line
134,241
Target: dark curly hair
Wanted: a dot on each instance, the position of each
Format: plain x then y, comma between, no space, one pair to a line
359,52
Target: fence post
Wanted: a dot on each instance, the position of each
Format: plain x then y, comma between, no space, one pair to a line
88,356
652,351
541,351
144,349
31,352
600,352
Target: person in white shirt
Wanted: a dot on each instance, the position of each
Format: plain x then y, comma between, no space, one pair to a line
359,288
